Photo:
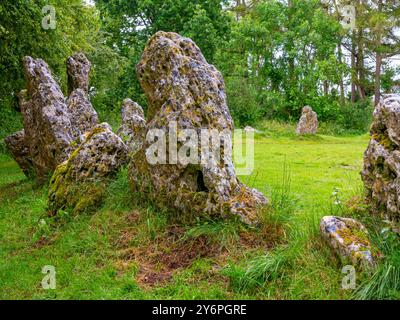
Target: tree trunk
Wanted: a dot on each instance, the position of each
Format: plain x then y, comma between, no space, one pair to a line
326,87
353,69
378,64
341,81
360,66
378,70
238,3
340,56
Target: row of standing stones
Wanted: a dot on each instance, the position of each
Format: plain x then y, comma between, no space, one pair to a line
62,137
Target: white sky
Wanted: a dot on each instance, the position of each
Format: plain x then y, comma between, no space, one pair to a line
89,2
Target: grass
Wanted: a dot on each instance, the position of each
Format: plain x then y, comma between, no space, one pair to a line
129,250
384,282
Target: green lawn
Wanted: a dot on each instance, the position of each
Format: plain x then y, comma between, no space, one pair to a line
128,250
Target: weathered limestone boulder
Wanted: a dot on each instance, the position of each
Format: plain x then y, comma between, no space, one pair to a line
47,123
17,146
82,114
79,182
185,93
133,128
381,171
308,123
349,240
52,126
78,69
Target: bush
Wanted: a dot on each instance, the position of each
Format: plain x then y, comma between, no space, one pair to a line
243,102
356,117
327,107
3,148
11,120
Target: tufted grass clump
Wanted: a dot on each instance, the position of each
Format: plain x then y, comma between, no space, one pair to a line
265,267
384,283
271,265
223,233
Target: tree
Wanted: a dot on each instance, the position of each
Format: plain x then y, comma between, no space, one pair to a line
131,23
286,51
128,24
382,40
22,33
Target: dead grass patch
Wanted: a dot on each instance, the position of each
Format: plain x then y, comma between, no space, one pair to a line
172,251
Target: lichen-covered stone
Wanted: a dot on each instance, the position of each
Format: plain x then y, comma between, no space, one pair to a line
81,112
349,239
133,128
52,126
308,123
78,182
183,88
381,171
78,69
47,124
19,149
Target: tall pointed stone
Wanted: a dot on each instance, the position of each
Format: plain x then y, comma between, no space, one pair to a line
183,90
46,118
82,114
78,69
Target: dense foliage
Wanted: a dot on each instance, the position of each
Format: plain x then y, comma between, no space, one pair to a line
21,33
276,56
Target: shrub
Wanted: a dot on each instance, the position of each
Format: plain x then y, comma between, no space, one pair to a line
243,102
356,117
11,120
327,107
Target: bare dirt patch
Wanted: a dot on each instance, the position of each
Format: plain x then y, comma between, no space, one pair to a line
267,238
172,251
169,252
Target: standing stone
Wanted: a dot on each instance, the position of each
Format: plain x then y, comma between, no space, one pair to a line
79,183
19,149
349,239
82,114
381,171
47,125
185,92
78,69
308,123
133,128
52,126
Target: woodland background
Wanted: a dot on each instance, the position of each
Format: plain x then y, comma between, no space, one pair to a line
276,56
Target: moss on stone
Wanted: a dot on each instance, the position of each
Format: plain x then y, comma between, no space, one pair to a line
65,193
354,235
384,140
